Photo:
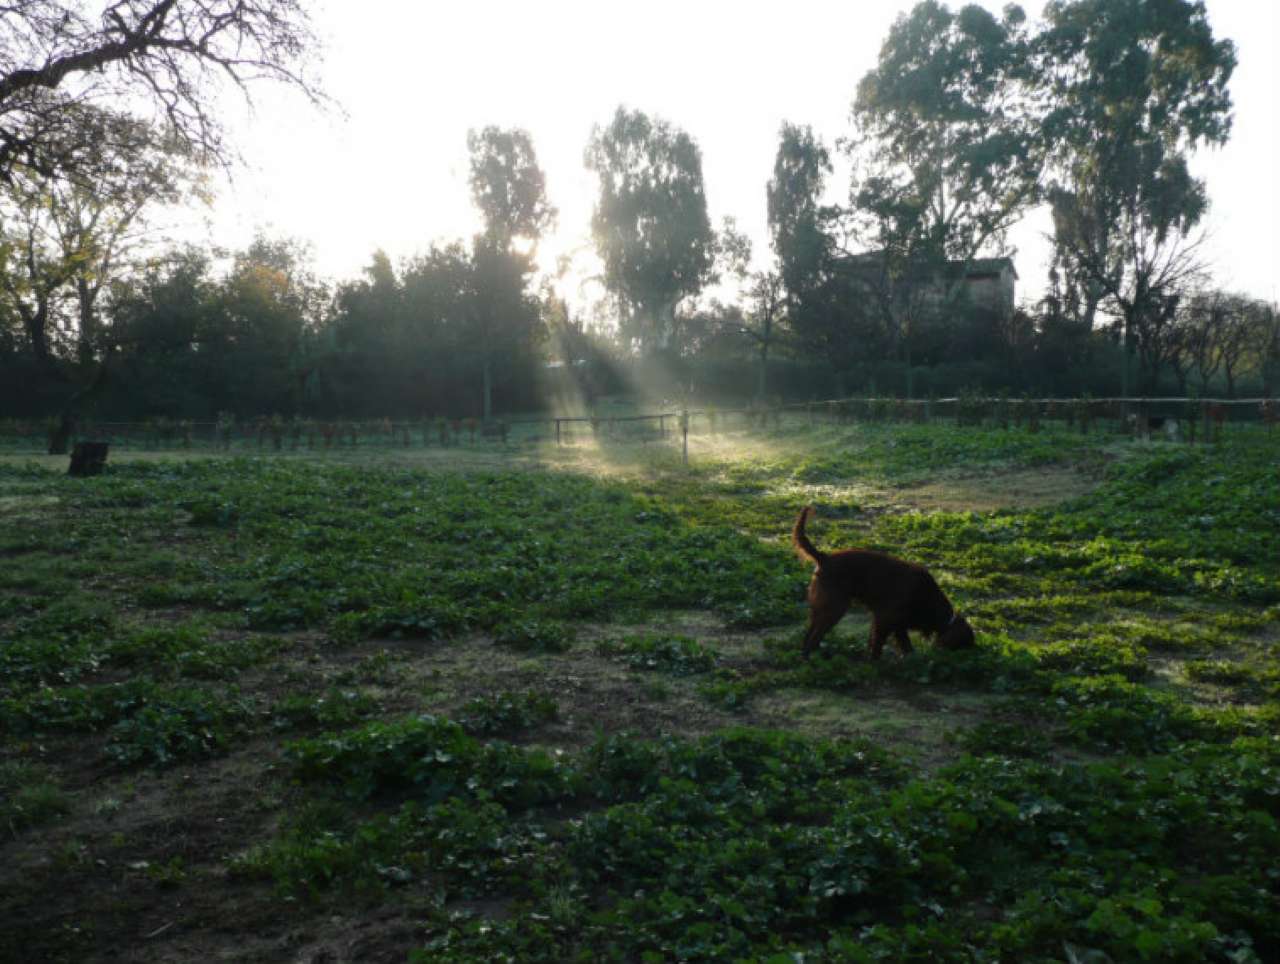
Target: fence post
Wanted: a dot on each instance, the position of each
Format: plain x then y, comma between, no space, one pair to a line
684,431
557,431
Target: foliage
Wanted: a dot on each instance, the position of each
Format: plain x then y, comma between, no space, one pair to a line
29,796
535,635
650,221
1136,86
506,713
1098,775
948,132
431,757
676,655
333,708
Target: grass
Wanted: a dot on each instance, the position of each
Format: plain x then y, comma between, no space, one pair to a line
547,704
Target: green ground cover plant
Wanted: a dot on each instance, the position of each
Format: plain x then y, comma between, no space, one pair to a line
557,711
655,652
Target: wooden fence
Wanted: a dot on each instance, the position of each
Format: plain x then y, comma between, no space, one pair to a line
1192,418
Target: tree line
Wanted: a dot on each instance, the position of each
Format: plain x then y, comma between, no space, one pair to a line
967,122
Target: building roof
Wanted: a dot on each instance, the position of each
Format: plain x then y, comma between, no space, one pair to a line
977,267
982,267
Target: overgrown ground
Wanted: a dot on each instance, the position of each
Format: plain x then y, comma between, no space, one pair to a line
537,704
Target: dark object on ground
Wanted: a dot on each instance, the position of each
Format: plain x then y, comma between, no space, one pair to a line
88,458
901,596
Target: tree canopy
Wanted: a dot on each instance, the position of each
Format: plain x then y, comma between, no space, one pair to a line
1135,85
650,224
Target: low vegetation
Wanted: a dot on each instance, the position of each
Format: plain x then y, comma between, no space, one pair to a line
282,708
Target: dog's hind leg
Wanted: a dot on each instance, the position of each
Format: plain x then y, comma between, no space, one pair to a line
825,610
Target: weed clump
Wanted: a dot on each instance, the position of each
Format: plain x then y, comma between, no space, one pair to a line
655,652
534,636
506,713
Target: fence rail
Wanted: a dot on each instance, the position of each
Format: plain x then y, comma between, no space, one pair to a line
1131,414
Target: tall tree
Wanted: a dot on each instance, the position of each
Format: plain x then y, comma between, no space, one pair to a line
1132,85
820,302
56,56
945,154
799,223
945,130
765,307
509,188
271,301
650,223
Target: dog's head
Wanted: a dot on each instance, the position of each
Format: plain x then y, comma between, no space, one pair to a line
957,635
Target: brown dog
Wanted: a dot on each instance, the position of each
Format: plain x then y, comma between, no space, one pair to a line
900,595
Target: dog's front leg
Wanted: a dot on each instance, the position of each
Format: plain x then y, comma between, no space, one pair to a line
904,642
878,636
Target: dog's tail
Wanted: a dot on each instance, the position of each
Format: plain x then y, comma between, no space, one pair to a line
801,541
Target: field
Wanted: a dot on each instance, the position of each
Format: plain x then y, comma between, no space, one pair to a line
531,703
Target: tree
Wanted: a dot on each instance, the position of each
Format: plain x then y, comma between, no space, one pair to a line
945,129
650,223
1243,337
1268,347
168,334
172,55
68,241
820,298
1134,85
799,224
509,188
1146,259
762,292
186,342
946,156
272,302
34,274
764,313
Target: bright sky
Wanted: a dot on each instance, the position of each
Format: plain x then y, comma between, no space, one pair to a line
412,77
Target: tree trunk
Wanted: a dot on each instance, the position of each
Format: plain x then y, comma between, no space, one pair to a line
60,438
37,325
487,377
763,374
1126,347
906,351
86,296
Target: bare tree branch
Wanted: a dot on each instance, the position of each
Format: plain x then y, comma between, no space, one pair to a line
172,54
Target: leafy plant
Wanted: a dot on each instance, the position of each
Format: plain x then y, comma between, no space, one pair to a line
676,655
534,636
506,713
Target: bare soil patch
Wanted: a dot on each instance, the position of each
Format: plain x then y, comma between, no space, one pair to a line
1021,489
920,725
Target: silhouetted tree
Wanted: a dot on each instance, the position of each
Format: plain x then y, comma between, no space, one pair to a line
947,156
509,188
650,222
1134,85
